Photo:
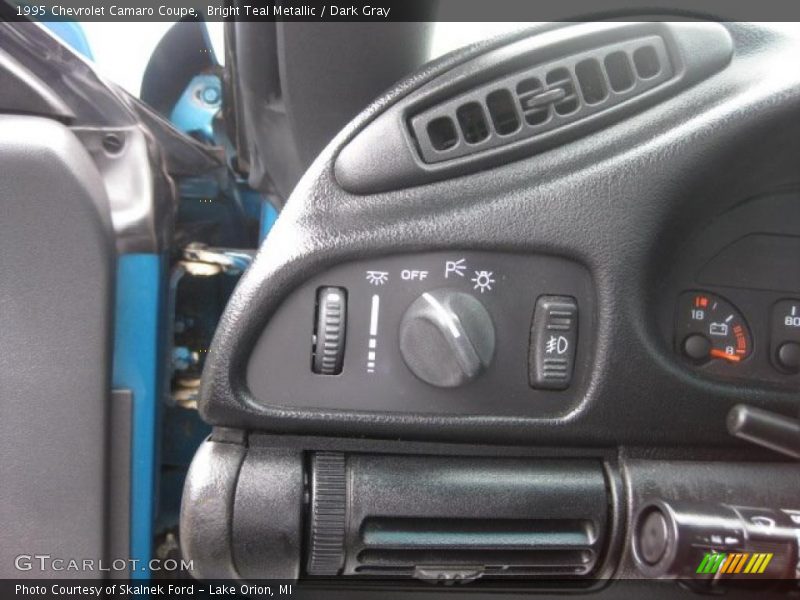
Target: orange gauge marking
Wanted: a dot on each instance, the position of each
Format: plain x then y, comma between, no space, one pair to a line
722,354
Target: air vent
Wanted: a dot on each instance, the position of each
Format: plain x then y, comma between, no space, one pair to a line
534,105
559,82
501,107
557,547
514,517
647,63
541,99
592,81
442,133
618,69
473,122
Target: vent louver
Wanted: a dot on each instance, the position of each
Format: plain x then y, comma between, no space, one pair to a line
541,99
515,517
501,547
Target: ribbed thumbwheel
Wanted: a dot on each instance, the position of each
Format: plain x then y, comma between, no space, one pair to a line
330,331
327,522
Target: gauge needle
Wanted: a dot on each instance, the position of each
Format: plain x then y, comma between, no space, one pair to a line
722,354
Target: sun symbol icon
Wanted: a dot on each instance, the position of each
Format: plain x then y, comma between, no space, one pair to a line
483,281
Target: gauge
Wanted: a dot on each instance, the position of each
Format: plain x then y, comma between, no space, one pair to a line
709,327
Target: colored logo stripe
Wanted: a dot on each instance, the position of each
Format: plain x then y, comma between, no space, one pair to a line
711,562
734,563
758,563
731,564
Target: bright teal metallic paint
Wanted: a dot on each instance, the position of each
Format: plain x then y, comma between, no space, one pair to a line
72,34
137,358
201,100
268,216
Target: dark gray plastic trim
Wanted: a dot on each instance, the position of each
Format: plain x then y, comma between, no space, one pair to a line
268,508
57,262
385,156
756,484
279,372
552,114
206,527
393,492
621,203
119,479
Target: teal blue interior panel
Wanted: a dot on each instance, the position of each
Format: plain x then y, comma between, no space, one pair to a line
137,359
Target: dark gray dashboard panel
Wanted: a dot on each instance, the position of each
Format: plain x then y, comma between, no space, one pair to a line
393,151
763,484
279,370
621,202
750,256
57,261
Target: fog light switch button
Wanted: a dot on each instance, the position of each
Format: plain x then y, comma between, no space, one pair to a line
554,336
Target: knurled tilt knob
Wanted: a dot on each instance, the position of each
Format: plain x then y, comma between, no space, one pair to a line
329,334
328,513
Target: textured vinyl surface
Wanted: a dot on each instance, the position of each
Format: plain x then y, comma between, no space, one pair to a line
57,272
620,201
